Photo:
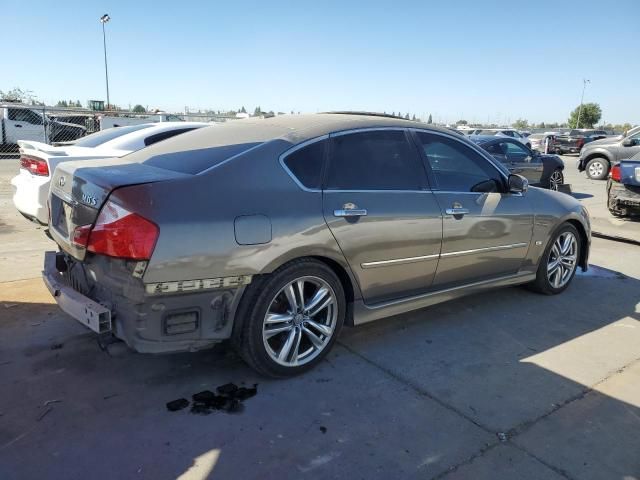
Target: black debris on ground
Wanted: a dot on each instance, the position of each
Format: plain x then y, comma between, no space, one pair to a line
229,399
57,346
178,404
323,429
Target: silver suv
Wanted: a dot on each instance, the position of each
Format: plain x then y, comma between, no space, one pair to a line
274,233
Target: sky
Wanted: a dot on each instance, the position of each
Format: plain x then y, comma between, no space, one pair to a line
483,61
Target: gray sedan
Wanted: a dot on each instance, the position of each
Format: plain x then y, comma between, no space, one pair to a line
274,233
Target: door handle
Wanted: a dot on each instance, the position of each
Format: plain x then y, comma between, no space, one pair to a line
18,125
456,211
356,212
350,210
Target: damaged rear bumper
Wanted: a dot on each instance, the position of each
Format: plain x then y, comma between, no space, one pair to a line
625,199
104,296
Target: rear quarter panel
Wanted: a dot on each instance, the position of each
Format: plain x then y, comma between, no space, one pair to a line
196,217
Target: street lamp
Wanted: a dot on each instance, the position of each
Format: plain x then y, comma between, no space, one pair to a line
584,86
104,19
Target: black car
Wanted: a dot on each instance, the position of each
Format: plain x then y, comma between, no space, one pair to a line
541,170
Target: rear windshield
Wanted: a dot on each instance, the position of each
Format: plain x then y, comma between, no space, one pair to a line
104,136
196,161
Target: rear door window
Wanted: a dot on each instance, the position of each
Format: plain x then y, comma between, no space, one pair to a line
374,160
305,164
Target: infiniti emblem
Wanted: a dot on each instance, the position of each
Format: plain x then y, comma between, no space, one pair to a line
62,181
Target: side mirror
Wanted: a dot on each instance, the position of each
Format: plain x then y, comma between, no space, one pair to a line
628,142
518,184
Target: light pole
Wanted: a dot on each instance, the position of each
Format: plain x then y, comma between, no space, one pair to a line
104,19
584,86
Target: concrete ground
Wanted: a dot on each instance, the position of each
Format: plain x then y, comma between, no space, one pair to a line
507,384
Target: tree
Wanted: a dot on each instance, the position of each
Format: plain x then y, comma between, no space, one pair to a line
521,124
257,112
62,103
413,117
18,95
243,110
590,114
139,109
406,117
541,125
461,122
430,120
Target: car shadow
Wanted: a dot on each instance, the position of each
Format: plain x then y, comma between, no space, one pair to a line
407,396
581,196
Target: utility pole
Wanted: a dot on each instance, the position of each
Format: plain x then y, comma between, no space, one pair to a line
584,86
104,19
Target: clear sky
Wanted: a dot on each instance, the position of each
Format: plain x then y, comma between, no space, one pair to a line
479,60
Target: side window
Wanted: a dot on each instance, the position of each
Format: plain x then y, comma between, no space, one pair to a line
24,115
306,164
516,152
375,160
495,149
151,139
458,168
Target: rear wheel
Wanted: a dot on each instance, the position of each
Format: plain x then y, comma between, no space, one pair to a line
559,262
597,168
556,179
292,318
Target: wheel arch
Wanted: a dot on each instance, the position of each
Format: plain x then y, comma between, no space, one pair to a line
584,242
598,154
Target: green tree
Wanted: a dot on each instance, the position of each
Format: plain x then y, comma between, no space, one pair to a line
139,109
430,120
413,117
407,117
243,110
62,103
590,114
257,112
521,124
461,122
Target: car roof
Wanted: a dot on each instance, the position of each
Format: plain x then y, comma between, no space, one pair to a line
289,129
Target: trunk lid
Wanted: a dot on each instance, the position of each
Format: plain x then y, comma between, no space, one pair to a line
79,189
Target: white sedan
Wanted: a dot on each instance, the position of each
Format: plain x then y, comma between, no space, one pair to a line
39,160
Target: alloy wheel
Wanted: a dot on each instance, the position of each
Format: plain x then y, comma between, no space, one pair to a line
300,321
556,180
596,169
563,259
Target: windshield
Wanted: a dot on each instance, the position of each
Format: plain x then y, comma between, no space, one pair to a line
99,138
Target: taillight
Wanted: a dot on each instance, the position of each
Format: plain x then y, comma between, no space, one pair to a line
616,173
35,166
580,142
119,233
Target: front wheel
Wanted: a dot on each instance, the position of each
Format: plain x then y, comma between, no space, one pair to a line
559,261
556,179
292,318
597,168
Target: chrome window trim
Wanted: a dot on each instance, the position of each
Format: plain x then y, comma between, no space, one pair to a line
399,261
294,149
365,129
484,249
378,191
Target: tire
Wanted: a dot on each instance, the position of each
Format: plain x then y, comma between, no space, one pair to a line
302,337
556,179
545,281
597,168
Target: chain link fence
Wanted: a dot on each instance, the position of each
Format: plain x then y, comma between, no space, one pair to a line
62,125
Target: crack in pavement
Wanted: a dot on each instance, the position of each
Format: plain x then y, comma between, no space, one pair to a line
511,434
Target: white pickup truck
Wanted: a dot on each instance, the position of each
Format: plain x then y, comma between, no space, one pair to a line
19,122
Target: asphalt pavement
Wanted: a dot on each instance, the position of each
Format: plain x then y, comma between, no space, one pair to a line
502,385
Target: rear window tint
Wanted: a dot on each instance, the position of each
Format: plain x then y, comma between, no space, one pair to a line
196,161
306,164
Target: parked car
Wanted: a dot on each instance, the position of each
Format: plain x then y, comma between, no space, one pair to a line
576,139
623,188
501,132
598,156
275,232
542,141
19,122
39,160
539,169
